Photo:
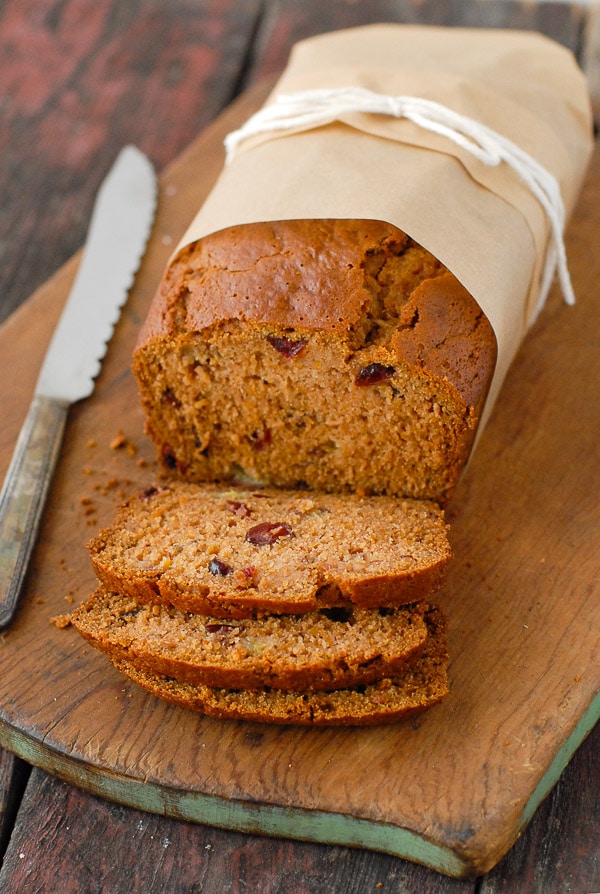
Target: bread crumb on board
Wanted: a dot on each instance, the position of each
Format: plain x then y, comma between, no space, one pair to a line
120,442
61,621
90,501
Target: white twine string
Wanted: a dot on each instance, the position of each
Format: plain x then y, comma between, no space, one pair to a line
311,108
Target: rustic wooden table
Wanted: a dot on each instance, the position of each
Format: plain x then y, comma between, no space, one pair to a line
78,80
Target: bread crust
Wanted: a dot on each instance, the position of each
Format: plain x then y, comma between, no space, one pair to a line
337,550
422,684
316,651
338,299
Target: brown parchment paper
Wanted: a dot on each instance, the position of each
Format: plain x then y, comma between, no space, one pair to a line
482,222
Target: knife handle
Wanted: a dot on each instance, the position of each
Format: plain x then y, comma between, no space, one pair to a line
24,494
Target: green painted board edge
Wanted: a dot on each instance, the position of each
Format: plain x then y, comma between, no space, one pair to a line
277,821
240,816
562,757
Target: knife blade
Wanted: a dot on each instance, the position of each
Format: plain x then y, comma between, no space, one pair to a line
118,232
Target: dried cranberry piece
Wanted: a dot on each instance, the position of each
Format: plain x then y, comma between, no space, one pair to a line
374,373
219,628
286,346
261,440
168,457
239,508
268,532
149,492
171,461
168,397
220,568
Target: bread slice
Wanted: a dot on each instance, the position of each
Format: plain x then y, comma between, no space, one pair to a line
422,684
331,649
230,552
334,354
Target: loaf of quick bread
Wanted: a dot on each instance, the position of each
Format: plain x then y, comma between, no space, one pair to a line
335,355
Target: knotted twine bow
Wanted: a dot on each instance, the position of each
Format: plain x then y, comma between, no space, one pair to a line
311,108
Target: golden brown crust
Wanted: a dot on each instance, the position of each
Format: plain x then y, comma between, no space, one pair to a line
449,336
303,274
318,275
225,397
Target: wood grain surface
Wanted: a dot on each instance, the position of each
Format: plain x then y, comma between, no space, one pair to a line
46,196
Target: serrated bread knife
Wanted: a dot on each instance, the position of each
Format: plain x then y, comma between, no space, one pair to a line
119,230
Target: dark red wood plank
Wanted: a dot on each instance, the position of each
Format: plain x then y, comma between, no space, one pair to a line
13,778
288,21
80,78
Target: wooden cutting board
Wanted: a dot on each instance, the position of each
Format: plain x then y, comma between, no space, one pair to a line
451,789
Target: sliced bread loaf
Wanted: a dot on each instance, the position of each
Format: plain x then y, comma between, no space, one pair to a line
234,552
334,354
330,649
422,684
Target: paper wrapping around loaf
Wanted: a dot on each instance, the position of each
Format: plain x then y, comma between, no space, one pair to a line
481,221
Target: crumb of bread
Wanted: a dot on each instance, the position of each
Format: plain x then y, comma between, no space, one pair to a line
120,442
61,621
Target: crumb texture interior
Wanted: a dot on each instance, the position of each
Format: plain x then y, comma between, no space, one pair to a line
324,650
423,684
333,355
232,551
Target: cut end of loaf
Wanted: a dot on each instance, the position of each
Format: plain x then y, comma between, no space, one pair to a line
331,355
